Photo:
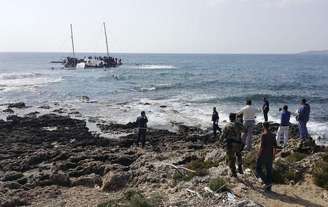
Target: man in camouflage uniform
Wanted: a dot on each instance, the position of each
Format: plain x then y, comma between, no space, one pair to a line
231,137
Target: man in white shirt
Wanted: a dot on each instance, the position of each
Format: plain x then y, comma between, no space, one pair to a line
249,115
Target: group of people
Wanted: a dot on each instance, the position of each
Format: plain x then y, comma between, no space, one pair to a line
104,59
237,135
235,142
247,116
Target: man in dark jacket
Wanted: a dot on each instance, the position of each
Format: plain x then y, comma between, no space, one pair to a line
265,109
142,128
303,116
215,120
266,156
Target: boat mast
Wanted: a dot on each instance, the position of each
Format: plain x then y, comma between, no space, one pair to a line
72,38
106,39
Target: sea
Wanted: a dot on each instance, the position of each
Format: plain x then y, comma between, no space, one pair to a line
172,88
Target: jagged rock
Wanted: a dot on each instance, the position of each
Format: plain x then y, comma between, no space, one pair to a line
67,165
12,185
87,168
74,113
37,157
32,114
84,98
247,203
9,111
114,181
12,175
308,147
116,127
285,153
14,202
124,160
18,105
60,180
45,107
215,156
91,181
22,180
195,146
60,111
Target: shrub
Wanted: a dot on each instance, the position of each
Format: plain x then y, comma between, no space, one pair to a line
250,160
138,200
295,157
320,174
218,184
108,204
134,199
183,177
199,166
283,173
325,157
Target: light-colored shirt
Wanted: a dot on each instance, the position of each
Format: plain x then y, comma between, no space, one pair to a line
248,113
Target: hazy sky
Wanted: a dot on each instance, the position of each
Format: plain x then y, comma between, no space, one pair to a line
177,26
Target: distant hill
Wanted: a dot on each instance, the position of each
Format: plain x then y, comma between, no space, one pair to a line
315,52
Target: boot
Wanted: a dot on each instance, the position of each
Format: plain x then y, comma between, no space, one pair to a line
240,170
233,174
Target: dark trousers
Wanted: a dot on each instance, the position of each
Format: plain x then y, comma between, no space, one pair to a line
215,129
267,164
304,134
265,114
141,137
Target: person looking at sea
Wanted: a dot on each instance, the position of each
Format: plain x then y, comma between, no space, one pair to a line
284,126
142,128
303,116
215,120
265,108
249,115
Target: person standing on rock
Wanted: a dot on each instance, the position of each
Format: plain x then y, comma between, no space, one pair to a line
266,156
303,116
231,137
142,128
215,120
265,109
248,113
284,126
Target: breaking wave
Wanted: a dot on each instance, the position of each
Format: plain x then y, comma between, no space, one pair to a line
12,81
152,66
259,97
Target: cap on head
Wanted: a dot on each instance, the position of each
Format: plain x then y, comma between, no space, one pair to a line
266,125
248,102
232,117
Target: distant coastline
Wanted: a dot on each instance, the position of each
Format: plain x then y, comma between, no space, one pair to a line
315,52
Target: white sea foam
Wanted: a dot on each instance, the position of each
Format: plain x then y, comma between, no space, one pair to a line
13,81
148,89
152,66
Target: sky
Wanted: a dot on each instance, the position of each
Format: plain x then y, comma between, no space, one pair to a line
165,26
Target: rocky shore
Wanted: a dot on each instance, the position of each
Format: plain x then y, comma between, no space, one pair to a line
54,160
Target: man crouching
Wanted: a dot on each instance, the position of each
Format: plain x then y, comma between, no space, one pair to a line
231,137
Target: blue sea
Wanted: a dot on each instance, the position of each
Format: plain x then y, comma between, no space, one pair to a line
171,88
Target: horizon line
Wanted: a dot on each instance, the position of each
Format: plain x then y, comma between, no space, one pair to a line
168,53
